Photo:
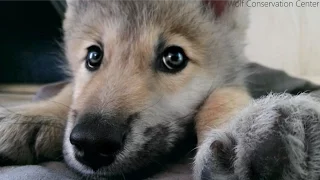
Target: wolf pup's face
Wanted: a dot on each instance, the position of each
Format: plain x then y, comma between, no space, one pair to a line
141,69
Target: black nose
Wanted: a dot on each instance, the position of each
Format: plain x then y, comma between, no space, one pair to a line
97,142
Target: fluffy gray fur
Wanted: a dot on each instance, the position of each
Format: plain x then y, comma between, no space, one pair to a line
275,137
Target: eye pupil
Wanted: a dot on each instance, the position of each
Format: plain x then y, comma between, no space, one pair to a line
94,55
94,58
174,59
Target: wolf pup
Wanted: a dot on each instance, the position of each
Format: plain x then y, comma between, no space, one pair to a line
140,72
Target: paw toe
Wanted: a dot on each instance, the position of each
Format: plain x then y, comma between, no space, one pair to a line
223,153
219,158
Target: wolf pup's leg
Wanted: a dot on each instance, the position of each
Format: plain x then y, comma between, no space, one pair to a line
212,121
34,132
218,109
215,115
276,137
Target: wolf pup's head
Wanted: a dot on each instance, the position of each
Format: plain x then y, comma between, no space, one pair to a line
141,69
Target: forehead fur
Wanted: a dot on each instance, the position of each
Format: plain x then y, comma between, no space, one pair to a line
178,17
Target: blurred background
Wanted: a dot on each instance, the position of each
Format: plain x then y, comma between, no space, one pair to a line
285,38
30,38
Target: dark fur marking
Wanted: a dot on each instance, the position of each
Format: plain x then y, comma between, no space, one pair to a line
160,45
133,117
159,48
270,158
148,131
182,148
161,132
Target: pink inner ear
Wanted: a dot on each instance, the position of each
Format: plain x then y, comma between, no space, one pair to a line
217,5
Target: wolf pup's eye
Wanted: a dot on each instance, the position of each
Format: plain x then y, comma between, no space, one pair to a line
94,58
173,59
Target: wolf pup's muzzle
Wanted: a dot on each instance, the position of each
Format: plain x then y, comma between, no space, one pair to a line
97,139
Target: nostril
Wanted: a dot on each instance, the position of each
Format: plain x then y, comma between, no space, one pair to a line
79,150
108,149
78,147
104,155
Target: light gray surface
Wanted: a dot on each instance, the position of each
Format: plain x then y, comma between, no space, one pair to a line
47,171
59,171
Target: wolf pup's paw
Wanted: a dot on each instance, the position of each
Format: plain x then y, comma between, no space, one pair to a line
276,137
27,138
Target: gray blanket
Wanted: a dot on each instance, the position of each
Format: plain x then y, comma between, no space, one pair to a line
261,82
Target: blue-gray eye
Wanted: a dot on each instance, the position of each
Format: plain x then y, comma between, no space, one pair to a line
173,59
94,57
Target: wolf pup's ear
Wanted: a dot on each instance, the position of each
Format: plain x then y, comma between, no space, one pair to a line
218,6
230,13
222,8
